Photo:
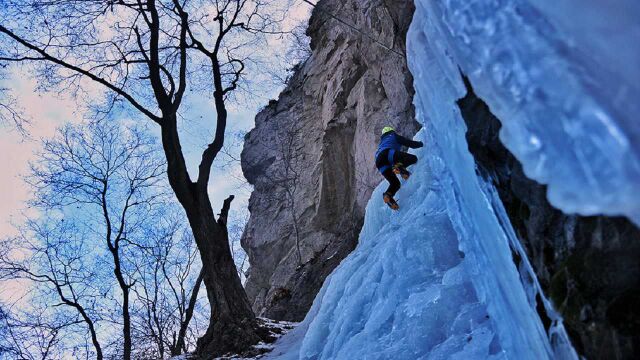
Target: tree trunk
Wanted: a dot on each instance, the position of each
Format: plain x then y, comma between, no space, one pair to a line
232,326
126,326
126,317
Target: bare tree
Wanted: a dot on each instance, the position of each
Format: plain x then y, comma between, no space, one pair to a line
236,227
164,297
300,49
147,53
55,266
110,169
170,280
297,52
34,337
230,164
106,220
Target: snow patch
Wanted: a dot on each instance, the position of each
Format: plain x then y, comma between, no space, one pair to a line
276,329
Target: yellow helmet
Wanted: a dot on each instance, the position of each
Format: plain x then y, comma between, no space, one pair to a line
386,129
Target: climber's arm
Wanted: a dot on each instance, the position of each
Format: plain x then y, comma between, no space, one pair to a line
409,143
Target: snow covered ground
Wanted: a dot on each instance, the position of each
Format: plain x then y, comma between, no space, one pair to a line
277,329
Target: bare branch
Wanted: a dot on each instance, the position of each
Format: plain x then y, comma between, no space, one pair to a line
224,213
48,57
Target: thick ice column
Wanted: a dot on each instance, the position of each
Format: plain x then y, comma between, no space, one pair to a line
563,78
481,234
484,230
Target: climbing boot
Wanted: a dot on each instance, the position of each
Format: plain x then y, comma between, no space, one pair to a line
400,169
388,199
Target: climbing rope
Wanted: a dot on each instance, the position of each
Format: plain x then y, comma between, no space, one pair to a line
352,27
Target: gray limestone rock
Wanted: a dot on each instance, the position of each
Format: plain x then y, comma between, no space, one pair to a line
310,155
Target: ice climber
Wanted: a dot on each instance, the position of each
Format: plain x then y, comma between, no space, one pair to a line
391,161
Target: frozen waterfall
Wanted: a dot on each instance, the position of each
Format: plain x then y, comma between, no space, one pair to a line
437,280
562,77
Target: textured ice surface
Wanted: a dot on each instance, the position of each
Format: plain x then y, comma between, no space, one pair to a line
409,292
418,285
563,77
404,293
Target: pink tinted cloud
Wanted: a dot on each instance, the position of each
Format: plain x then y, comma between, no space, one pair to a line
46,111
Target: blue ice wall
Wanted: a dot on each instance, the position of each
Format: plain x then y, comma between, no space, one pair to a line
434,280
563,77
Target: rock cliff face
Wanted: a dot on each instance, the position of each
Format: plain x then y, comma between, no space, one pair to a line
588,266
310,155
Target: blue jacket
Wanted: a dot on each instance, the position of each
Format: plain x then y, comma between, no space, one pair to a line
394,142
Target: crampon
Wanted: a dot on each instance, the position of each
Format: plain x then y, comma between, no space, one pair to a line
402,171
388,199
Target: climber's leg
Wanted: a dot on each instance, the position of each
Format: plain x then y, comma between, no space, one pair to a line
384,165
390,201
394,183
401,160
404,158
401,170
394,186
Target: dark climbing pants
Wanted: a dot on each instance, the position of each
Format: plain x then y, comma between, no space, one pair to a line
398,157
394,183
